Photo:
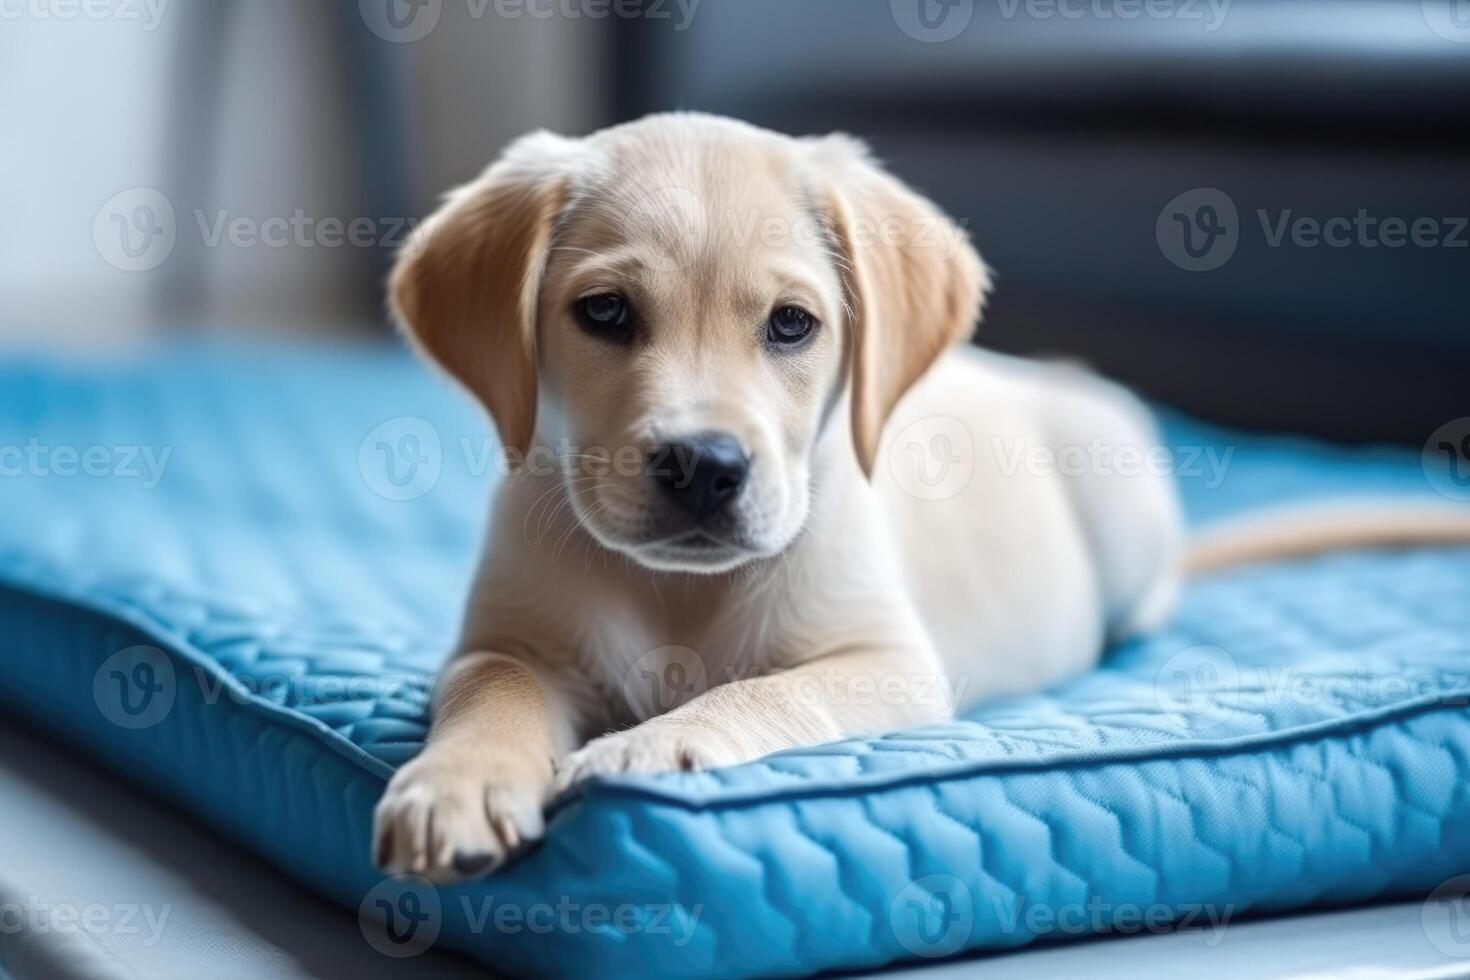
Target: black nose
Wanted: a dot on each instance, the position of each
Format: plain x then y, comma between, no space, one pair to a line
702,473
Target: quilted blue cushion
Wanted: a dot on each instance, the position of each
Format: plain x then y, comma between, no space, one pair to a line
229,573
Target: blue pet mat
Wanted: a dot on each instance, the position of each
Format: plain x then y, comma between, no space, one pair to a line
229,573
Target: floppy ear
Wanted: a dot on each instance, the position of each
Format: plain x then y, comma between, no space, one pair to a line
465,287
914,283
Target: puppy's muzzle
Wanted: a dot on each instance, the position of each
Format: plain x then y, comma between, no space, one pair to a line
701,475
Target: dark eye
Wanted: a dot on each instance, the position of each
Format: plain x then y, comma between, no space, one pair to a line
790,325
604,314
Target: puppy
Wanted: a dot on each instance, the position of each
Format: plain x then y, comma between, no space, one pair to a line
764,497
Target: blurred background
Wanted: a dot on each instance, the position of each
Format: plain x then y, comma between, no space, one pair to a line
1251,209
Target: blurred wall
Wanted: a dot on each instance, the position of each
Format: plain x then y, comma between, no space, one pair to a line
265,127
82,104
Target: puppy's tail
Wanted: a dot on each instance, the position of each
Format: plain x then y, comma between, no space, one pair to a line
1298,531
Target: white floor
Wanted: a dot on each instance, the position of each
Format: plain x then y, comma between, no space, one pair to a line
98,881
167,899
1360,944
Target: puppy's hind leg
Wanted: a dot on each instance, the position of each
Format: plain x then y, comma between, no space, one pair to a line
1126,502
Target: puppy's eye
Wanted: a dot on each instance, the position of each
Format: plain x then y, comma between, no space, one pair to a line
790,325
605,314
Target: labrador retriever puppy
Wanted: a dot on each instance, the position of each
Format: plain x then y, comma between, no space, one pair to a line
765,496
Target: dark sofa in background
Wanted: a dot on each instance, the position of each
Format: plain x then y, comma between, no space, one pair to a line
1062,137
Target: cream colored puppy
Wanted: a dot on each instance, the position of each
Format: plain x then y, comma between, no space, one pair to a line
764,501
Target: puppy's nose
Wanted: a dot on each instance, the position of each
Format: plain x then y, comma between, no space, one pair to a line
702,473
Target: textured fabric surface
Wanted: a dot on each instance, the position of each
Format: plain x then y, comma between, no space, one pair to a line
235,586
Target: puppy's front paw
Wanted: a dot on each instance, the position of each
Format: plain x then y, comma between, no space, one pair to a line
649,747
450,815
